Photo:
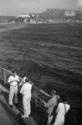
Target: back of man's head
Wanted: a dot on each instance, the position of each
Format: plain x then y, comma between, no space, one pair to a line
14,73
53,92
25,79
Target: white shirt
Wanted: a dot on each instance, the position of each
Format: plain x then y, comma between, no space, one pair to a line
61,111
26,89
13,80
63,108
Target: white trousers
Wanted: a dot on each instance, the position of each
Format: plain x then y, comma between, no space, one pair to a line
59,120
26,105
13,91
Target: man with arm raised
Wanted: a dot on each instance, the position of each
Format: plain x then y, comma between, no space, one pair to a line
13,80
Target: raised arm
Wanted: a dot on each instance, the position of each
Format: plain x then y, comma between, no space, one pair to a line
10,79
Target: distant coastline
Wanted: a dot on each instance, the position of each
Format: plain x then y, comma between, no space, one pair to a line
48,16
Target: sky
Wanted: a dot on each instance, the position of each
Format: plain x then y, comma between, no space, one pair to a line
16,7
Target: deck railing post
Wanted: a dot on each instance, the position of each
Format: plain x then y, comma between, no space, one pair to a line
4,72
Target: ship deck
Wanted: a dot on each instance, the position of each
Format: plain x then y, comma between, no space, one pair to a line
12,116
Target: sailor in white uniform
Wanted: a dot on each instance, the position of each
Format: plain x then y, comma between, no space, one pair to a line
61,111
13,81
26,93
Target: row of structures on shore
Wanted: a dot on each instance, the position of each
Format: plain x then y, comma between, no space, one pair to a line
48,16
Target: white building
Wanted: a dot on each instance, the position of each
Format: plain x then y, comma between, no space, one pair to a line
69,13
23,16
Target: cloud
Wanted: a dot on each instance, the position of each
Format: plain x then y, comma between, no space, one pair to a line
16,7
79,2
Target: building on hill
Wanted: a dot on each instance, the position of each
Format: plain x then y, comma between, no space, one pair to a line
69,13
23,16
51,16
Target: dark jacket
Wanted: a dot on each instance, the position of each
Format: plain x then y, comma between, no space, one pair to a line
51,104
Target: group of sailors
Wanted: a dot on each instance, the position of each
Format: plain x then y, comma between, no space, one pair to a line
26,87
56,107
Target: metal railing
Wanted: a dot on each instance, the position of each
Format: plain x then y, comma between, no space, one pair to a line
39,97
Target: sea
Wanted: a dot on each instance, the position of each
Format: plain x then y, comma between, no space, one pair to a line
50,55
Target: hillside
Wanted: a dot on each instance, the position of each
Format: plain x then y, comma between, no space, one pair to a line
48,16
61,14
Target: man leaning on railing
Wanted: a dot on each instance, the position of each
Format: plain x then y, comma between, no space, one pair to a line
50,107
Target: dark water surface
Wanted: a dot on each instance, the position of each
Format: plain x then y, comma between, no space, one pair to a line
51,56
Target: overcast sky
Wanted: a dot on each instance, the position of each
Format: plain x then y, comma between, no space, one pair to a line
16,7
